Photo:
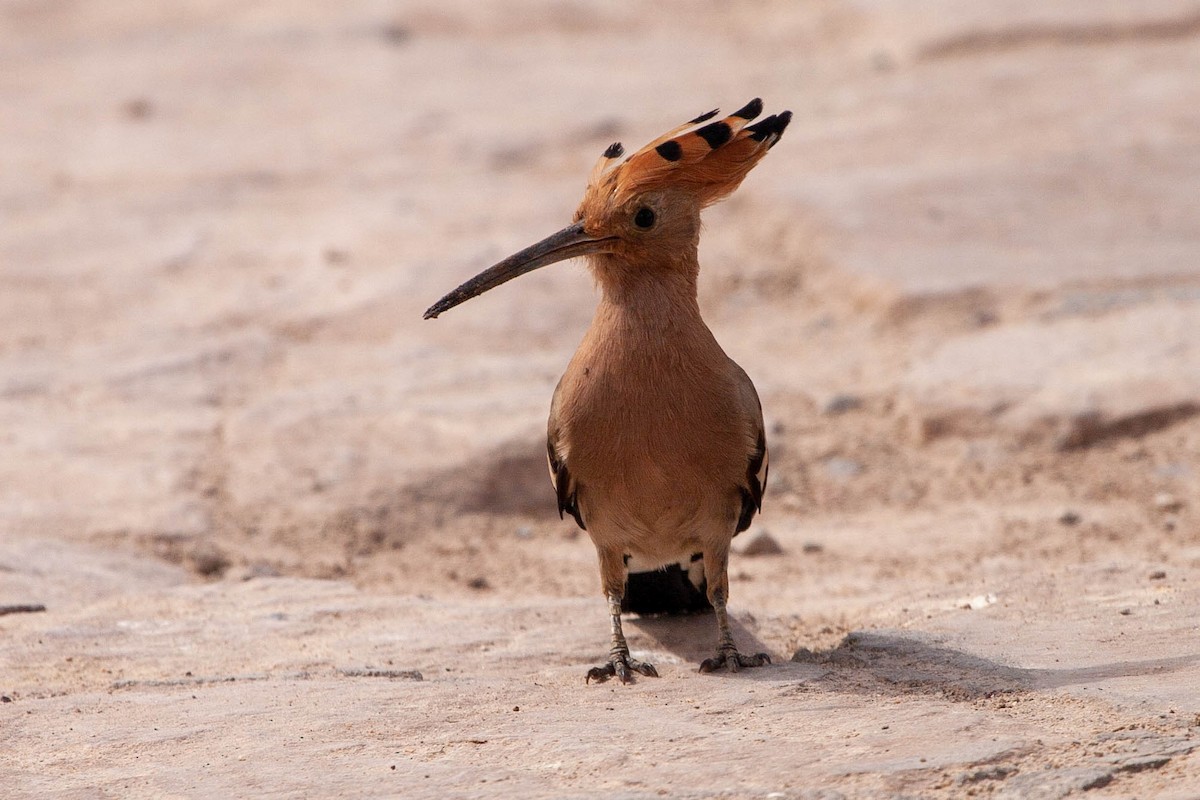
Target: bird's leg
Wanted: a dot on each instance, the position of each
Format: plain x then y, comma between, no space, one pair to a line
716,573
620,665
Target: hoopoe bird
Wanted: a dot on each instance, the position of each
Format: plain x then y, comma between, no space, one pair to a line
655,441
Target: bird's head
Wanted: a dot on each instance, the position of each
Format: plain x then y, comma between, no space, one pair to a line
645,211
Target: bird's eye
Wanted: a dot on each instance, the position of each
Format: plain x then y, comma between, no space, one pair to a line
644,218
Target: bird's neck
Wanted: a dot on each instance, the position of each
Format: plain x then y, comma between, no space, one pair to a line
648,297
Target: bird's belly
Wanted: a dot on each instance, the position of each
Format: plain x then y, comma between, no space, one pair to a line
646,524
658,492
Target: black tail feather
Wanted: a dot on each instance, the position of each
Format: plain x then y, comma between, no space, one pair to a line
665,591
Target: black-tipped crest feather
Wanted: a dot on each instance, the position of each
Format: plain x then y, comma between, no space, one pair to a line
671,150
716,134
750,110
773,125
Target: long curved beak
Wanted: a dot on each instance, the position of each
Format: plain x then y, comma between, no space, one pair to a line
571,241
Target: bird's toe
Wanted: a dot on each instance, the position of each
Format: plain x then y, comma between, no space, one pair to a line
643,668
756,660
622,668
733,661
600,674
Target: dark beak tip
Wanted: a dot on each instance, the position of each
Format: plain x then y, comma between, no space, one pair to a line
571,241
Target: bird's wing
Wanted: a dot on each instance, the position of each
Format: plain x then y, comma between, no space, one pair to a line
758,460
564,485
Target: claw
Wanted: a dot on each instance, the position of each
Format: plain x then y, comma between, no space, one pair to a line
734,661
619,667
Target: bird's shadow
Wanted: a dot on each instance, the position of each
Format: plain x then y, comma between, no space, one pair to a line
894,662
915,663
693,637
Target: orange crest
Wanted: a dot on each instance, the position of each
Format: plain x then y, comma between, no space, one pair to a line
709,161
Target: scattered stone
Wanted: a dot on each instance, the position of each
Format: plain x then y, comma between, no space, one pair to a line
1143,763
335,255
1165,501
996,773
977,602
842,657
188,680
372,672
208,560
479,583
1069,517
1158,575
1170,523
841,403
138,108
1054,783
811,547
5,698
23,608
805,656
1098,779
841,468
394,33
1088,428
1125,612
261,569
984,317
762,544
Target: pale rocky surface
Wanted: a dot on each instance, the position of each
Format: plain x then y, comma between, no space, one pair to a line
258,495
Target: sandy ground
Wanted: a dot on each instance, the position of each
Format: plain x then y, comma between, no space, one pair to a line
292,541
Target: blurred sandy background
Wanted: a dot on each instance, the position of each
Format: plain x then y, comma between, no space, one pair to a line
259,496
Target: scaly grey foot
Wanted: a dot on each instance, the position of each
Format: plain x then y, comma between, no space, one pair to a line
620,666
731,658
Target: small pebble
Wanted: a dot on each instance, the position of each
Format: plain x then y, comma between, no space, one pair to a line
1158,575
805,656
1165,501
334,255
1069,517
209,560
138,108
395,34
842,468
979,601
479,583
1125,612
762,544
813,547
841,403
